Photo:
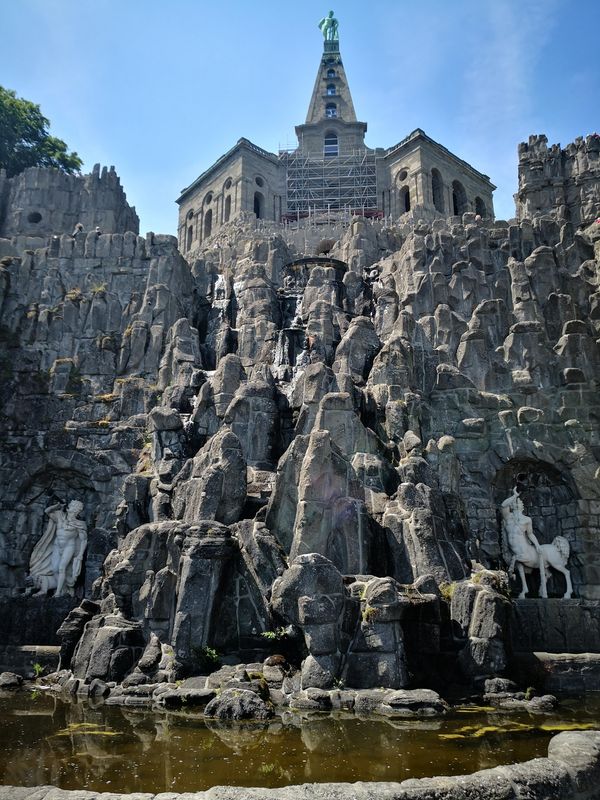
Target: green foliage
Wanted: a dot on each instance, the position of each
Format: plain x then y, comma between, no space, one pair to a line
447,591
25,141
38,669
207,658
276,635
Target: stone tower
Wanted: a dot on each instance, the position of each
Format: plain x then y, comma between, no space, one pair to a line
331,110
561,182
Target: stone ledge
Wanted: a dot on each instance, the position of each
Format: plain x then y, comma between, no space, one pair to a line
571,772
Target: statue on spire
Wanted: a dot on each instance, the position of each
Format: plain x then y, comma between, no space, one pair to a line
329,28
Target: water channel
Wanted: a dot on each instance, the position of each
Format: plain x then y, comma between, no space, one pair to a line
44,740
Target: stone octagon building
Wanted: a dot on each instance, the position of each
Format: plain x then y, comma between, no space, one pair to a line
331,170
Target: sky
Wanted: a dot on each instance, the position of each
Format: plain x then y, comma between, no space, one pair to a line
161,88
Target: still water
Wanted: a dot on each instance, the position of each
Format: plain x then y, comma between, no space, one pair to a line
109,748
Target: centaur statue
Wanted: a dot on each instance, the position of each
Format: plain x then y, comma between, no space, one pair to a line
522,548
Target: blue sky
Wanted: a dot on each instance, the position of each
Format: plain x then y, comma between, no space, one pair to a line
161,88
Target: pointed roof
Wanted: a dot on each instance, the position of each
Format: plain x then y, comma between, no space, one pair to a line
331,95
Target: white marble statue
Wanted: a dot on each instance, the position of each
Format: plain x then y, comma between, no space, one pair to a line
526,552
57,558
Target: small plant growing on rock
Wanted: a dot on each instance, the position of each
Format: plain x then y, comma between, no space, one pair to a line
276,635
38,669
369,614
75,295
447,591
207,658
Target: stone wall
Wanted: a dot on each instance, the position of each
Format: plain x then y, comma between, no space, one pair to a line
42,202
84,325
563,182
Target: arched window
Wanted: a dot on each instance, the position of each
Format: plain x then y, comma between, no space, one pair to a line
459,198
331,90
227,212
404,199
190,235
207,223
331,110
480,207
259,205
331,73
330,144
437,190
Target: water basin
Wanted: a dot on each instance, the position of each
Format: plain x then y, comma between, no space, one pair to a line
44,740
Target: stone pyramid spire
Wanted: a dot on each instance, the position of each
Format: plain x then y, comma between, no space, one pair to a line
331,98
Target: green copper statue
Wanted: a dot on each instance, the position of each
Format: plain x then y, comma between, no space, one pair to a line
329,28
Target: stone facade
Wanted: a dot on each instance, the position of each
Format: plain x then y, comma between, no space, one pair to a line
562,182
332,169
246,179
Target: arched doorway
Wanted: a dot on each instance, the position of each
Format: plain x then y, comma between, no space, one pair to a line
480,207
259,205
404,199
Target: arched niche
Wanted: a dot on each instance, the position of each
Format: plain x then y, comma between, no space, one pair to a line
46,487
550,499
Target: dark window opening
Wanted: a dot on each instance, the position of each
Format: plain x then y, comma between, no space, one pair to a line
190,235
331,110
437,190
208,223
331,90
34,217
405,199
330,144
459,198
331,73
227,208
480,207
259,205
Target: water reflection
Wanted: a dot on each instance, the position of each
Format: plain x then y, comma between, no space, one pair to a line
44,740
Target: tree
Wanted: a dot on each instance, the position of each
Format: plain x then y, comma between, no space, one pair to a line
25,141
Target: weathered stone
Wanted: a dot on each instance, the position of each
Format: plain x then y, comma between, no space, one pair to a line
238,704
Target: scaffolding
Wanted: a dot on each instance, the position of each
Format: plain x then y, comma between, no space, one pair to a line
343,182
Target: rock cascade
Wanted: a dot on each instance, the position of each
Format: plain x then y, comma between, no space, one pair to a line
268,441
